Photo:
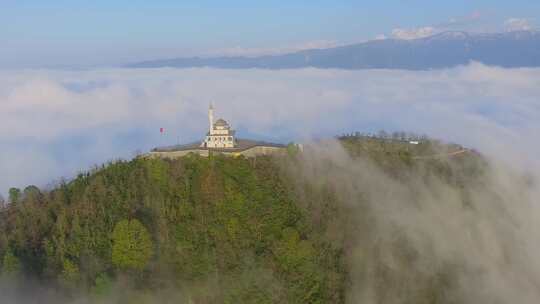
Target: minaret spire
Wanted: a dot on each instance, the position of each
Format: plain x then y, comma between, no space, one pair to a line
211,117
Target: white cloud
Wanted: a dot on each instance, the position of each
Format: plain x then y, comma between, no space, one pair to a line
70,120
416,33
518,24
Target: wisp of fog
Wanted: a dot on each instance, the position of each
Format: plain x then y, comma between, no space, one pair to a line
419,235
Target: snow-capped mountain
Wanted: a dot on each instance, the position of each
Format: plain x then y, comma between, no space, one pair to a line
447,49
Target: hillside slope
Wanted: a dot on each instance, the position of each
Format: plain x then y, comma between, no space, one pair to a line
221,230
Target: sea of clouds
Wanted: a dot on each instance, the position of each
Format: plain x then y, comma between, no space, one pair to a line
56,123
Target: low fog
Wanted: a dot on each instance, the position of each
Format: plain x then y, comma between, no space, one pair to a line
55,123
423,234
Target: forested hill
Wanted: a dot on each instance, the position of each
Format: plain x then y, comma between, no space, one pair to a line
221,230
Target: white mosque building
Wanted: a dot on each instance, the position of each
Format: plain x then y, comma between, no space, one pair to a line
220,134
220,139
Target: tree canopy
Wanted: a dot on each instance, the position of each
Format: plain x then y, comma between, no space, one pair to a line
132,245
214,230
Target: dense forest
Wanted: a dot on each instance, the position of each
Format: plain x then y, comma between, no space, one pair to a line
270,229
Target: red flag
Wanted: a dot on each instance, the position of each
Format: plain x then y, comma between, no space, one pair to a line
161,130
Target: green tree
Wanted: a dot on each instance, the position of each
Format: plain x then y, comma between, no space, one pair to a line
70,275
11,264
32,193
292,149
103,285
14,195
132,245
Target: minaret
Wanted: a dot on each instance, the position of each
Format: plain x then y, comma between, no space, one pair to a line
211,118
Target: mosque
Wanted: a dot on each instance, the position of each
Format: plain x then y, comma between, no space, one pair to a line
220,138
220,134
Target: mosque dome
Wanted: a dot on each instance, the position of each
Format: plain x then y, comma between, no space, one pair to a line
221,123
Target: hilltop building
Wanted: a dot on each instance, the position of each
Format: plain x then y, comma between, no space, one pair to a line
220,138
219,134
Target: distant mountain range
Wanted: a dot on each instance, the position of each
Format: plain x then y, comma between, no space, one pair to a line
448,49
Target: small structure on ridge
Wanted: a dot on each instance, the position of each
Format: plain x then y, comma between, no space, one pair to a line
220,134
220,138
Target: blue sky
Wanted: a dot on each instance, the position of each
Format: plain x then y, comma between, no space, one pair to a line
82,33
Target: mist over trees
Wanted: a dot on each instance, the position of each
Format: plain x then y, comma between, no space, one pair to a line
301,228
